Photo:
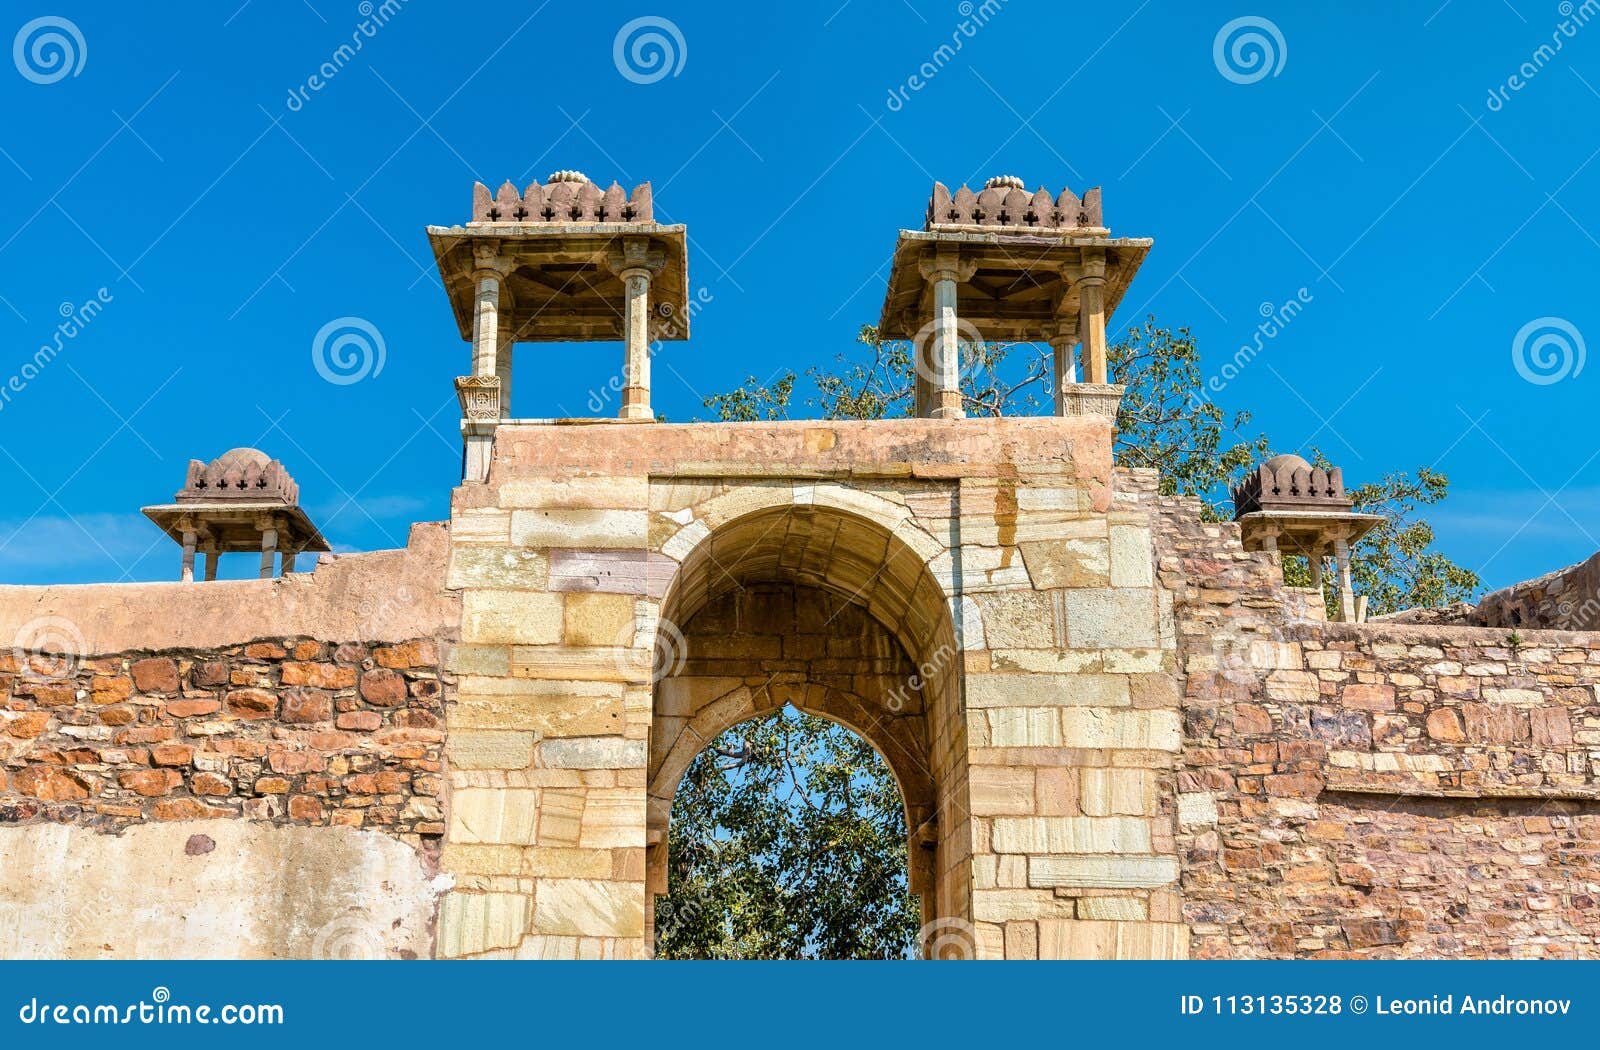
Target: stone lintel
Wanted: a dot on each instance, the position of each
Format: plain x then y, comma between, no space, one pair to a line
1015,280
1079,446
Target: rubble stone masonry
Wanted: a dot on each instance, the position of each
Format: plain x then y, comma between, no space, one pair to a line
290,731
1376,790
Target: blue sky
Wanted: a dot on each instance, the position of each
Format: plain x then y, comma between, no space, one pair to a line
1426,226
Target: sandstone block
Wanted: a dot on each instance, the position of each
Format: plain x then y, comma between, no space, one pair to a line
1111,618
471,923
1128,792
494,815
530,618
1067,563
1131,558
1046,690
580,528
593,753
588,908
1088,872
998,790
1036,835
599,619
481,749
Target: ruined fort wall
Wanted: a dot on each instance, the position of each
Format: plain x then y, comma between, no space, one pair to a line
1376,790
248,769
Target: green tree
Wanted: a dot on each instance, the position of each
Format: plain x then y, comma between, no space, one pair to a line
788,841
1395,565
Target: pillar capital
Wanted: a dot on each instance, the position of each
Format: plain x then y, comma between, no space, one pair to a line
1061,331
488,262
1093,269
947,265
636,254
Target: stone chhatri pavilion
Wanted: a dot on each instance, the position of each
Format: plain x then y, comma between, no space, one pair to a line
241,501
1116,732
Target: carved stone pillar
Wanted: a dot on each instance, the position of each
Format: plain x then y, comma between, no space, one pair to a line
939,356
489,356
636,264
636,361
212,556
1347,594
480,411
1063,337
269,546
1092,313
186,575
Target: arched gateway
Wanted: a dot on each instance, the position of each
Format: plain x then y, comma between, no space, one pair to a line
968,595
995,629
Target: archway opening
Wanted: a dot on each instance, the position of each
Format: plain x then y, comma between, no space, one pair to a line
788,840
836,615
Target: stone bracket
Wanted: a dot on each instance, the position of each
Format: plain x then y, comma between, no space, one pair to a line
1091,399
479,396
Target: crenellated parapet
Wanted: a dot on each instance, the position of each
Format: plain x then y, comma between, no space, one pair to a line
1004,202
567,197
1290,483
239,475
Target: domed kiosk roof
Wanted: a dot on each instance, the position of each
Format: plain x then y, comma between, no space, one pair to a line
229,502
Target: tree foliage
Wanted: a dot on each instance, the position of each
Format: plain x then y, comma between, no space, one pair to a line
1166,421
788,841
1396,566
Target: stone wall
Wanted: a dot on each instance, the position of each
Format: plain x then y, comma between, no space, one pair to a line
1566,600
1376,790
290,731
173,783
